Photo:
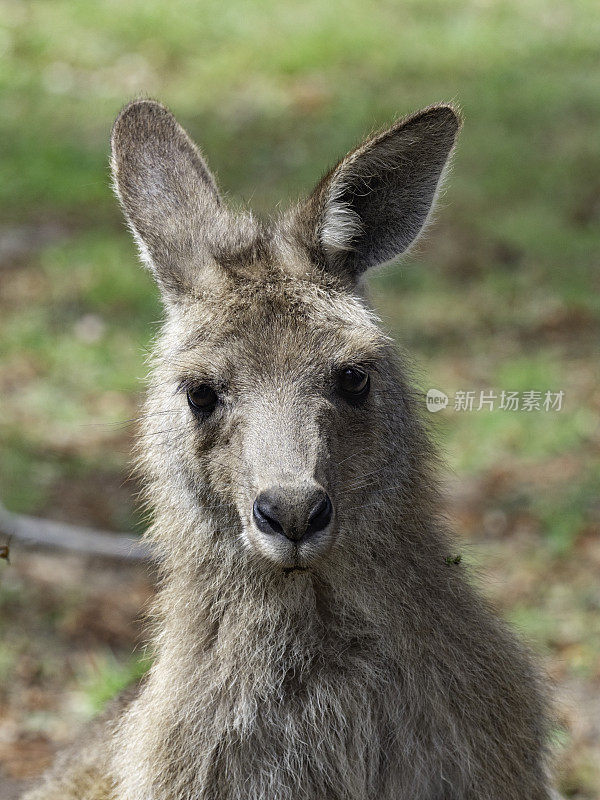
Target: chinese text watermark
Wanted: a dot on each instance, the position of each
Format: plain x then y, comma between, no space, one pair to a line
489,400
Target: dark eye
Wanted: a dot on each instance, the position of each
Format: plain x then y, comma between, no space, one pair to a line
354,383
202,398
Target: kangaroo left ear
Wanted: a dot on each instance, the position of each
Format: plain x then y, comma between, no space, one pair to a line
375,202
167,192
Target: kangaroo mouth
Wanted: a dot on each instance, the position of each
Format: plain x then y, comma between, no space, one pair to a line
289,570
286,555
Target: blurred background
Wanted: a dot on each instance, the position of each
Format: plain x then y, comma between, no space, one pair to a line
502,294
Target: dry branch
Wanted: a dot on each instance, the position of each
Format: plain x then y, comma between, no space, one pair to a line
45,533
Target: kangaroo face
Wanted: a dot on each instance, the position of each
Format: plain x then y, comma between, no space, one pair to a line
277,403
279,415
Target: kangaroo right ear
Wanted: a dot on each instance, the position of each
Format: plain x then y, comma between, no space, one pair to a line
166,190
375,202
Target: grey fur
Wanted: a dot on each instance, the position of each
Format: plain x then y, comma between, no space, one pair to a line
360,667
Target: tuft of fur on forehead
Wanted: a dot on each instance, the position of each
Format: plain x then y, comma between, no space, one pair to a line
239,306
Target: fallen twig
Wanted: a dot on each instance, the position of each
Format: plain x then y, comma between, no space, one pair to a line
45,533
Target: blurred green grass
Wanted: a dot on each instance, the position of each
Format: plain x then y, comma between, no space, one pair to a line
502,293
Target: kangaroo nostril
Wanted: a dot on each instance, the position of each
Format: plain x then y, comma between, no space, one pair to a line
265,515
320,516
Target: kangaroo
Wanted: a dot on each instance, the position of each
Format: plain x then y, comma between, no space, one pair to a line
314,638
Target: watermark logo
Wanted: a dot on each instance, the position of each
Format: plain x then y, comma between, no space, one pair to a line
489,400
436,400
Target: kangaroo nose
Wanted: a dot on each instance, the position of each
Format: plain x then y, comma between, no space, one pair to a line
293,513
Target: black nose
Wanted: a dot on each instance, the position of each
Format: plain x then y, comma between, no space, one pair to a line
295,513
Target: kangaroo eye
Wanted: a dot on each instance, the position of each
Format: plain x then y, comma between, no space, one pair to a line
202,398
354,383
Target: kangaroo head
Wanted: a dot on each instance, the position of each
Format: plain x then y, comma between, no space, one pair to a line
278,409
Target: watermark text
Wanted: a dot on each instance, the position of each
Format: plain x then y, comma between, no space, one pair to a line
490,400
